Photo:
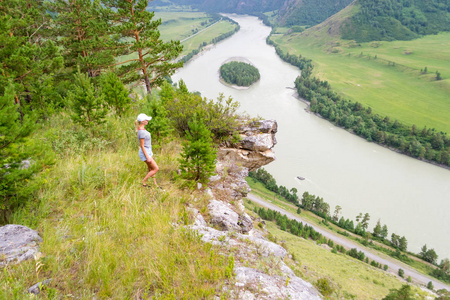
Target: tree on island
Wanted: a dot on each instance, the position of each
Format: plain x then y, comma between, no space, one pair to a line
239,73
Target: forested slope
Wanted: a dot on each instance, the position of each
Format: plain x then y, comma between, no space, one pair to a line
309,12
397,19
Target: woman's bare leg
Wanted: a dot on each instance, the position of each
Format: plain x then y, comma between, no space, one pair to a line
152,170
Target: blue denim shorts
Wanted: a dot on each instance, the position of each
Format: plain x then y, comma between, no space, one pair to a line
142,155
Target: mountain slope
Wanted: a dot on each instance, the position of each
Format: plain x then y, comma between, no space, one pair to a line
387,20
309,12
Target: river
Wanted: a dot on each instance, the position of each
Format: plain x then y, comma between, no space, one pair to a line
411,197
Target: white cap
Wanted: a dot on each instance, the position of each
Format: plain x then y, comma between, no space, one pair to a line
143,117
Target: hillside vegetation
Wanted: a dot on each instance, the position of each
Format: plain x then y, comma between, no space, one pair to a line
309,12
389,77
105,236
389,20
340,276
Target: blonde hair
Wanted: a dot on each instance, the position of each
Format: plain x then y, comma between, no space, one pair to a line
136,125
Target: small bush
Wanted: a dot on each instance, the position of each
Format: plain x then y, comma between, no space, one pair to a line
324,286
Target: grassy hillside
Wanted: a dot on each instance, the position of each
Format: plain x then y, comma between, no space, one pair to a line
104,235
348,278
389,20
383,75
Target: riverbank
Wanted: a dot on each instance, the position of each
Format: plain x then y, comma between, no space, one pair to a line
308,110
393,265
382,258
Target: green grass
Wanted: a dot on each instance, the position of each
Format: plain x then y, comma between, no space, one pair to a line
181,25
350,278
399,91
178,26
104,235
207,36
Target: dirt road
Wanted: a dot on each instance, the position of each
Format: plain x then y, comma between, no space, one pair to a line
393,264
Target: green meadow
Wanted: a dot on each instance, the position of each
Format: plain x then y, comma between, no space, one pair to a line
386,76
207,36
182,25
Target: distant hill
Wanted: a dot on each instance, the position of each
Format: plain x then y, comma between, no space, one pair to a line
226,6
396,19
372,19
309,12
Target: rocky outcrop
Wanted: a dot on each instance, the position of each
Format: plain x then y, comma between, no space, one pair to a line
259,270
252,152
17,243
255,148
259,267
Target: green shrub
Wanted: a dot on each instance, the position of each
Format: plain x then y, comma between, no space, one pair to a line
324,286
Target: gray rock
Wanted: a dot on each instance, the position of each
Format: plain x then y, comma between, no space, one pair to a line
36,289
254,150
251,160
274,287
246,223
261,246
226,218
198,218
261,126
260,142
222,215
17,243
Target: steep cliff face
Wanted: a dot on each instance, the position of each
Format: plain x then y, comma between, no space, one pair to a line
260,269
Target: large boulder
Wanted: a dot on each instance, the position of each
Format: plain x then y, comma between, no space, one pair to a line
255,148
17,243
226,218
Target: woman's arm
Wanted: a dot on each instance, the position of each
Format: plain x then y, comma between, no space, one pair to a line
142,141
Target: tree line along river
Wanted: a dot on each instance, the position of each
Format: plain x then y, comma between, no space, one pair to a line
411,197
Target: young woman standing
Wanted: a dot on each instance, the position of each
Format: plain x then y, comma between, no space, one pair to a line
145,150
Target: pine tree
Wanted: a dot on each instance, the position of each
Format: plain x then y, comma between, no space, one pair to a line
87,104
160,123
28,58
140,35
198,156
115,93
12,132
83,32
